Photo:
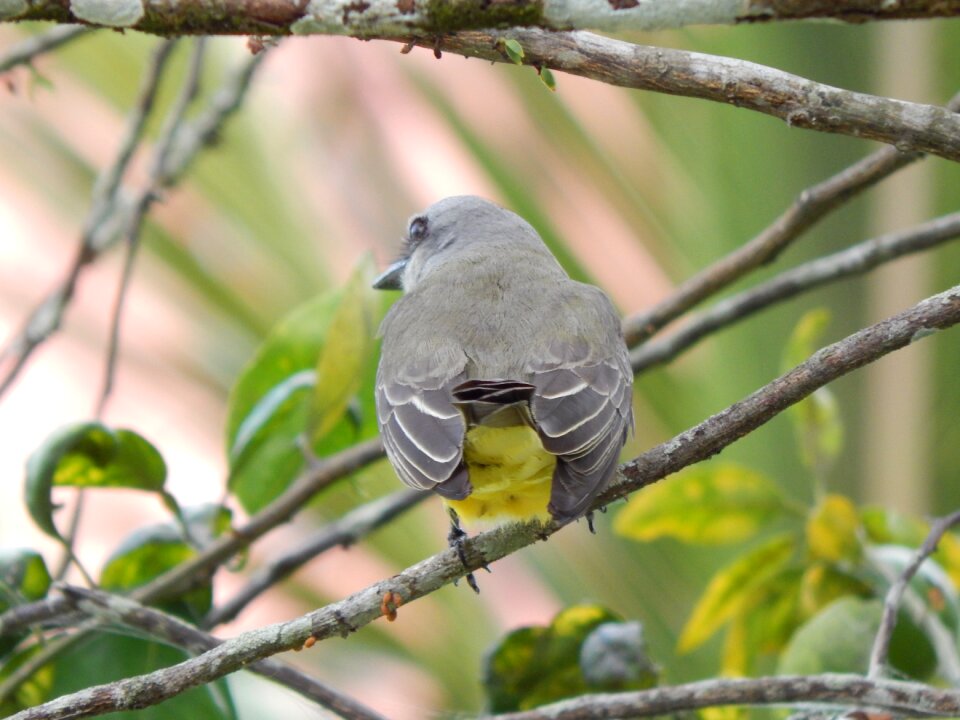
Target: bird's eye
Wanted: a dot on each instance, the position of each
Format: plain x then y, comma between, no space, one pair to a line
418,229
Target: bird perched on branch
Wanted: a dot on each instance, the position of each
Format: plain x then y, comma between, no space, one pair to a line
503,385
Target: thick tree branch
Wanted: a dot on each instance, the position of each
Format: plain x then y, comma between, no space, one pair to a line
900,699
361,608
855,260
344,17
796,100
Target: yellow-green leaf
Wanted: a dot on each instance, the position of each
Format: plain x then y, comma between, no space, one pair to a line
832,530
345,353
546,76
733,587
948,555
816,419
718,503
763,624
514,51
823,583
92,455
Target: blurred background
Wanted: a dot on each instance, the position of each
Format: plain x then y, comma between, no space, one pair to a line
338,143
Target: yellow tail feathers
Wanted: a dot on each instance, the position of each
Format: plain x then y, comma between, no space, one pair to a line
511,475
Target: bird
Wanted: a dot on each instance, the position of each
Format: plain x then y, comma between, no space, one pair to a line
503,385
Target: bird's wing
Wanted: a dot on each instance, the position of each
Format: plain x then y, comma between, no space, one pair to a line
583,413
422,430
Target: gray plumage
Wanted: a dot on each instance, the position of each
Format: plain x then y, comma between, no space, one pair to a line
491,329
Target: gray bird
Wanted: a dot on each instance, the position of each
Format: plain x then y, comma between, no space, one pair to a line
503,385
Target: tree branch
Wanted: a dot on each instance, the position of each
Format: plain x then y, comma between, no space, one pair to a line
46,318
855,260
172,126
174,631
901,699
796,100
361,608
343,17
810,207
112,211
343,532
894,598
25,51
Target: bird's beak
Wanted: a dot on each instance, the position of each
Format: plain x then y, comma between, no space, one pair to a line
389,279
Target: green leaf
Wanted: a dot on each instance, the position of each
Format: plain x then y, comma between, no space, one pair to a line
823,583
718,503
23,578
514,51
888,527
734,587
816,419
507,669
268,408
832,530
34,690
536,665
279,402
837,639
151,551
931,584
107,658
89,455
840,637
763,625
346,351
546,76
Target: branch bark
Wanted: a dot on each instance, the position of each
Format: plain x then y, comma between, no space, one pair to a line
809,208
174,631
376,17
895,698
365,606
855,260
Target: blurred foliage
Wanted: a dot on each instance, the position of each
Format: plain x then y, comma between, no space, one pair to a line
585,648
255,250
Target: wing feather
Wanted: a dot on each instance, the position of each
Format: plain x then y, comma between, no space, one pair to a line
583,413
422,431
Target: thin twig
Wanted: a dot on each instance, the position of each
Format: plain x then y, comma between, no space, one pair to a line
112,608
855,260
199,568
46,318
172,125
343,532
178,150
189,141
810,206
26,50
894,598
293,499
46,654
361,608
